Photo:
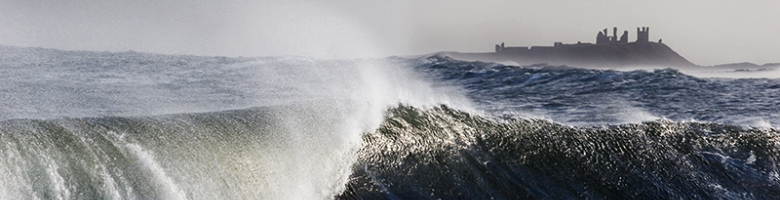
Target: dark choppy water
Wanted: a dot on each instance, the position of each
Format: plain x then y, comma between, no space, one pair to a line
589,96
443,153
102,125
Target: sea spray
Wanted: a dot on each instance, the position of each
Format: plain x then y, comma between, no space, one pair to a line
168,189
290,130
260,153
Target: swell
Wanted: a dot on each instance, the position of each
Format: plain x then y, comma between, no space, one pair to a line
298,152
442,153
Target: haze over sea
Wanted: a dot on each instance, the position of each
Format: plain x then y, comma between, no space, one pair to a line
348,100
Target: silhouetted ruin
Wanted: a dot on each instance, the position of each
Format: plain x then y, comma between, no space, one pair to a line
602,37
624,37
642,35
609,49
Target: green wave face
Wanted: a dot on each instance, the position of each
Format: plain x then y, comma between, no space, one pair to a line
260,153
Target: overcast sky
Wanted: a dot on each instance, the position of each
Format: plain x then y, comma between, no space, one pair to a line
706,32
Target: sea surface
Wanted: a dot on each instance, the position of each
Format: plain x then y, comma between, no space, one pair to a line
129,125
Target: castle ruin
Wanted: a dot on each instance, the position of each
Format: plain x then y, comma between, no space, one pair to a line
602,38
642,35
609,49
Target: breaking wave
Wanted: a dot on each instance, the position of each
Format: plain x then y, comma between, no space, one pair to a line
102,125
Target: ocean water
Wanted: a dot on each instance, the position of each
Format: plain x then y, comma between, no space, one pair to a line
128,125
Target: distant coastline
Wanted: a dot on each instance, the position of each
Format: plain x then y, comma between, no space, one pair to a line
608,51
605,53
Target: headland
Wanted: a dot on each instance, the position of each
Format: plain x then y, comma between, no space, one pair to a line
607,51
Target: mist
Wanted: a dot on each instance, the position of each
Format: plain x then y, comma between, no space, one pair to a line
707,33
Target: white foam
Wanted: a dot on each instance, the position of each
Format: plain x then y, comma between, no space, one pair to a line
108,183
11,184
168,187
58,182
752,159
756,122
707,72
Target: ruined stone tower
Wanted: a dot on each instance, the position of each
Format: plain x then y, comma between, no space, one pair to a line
643,34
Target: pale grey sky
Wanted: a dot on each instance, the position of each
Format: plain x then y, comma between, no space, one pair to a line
706,31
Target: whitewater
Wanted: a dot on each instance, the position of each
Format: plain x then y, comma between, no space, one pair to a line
129,125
